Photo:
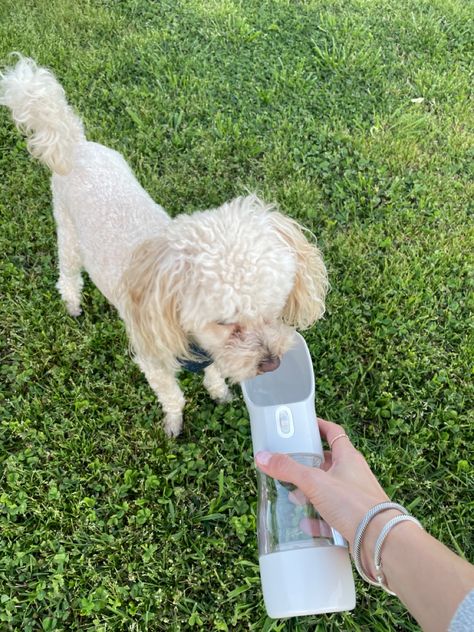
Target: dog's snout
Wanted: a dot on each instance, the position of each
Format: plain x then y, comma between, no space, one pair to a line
269,364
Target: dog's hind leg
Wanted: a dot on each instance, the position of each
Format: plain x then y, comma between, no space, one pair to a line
70,280
169,394
215,385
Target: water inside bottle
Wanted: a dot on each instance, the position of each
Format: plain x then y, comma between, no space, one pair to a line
286,519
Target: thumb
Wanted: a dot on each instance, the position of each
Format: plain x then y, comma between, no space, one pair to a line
284,468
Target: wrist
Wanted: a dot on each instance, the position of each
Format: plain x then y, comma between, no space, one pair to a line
373,531
401,533
405,536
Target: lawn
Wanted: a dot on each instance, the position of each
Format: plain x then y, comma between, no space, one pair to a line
355,116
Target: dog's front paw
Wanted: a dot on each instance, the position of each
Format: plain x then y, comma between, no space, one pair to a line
216,385
224,397
73,309
220,393
173,424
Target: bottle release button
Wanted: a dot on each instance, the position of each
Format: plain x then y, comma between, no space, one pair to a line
285,427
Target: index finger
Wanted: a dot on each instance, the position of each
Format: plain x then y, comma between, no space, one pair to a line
329,431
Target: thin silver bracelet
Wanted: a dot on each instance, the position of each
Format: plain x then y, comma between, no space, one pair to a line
361,529
379,544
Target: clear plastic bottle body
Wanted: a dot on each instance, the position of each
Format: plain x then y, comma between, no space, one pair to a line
285,520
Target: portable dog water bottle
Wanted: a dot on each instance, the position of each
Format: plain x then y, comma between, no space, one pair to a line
301,574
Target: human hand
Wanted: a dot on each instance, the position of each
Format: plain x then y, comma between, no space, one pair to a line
342,490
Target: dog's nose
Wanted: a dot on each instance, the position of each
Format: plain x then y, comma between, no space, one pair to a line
269,364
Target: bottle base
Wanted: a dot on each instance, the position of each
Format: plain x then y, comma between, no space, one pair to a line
313,580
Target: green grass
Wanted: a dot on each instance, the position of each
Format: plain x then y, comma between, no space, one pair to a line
106,525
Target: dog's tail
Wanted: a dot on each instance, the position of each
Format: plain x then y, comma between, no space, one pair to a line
40,110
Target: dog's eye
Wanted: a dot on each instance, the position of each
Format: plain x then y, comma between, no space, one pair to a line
222,323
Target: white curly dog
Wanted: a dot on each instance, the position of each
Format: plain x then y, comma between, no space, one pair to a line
219,289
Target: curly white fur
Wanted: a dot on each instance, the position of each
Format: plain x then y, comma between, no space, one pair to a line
40,110
234,280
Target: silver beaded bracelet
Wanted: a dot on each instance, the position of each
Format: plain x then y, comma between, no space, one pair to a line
362,528
379,544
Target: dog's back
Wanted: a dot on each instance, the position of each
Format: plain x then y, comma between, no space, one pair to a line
111,213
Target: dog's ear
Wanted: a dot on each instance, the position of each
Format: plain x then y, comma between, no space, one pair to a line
305,303
150,301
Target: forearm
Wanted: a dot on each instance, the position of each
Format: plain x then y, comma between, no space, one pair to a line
427,577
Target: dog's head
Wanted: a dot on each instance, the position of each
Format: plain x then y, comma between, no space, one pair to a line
234,280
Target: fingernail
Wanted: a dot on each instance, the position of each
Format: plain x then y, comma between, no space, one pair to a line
263,457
